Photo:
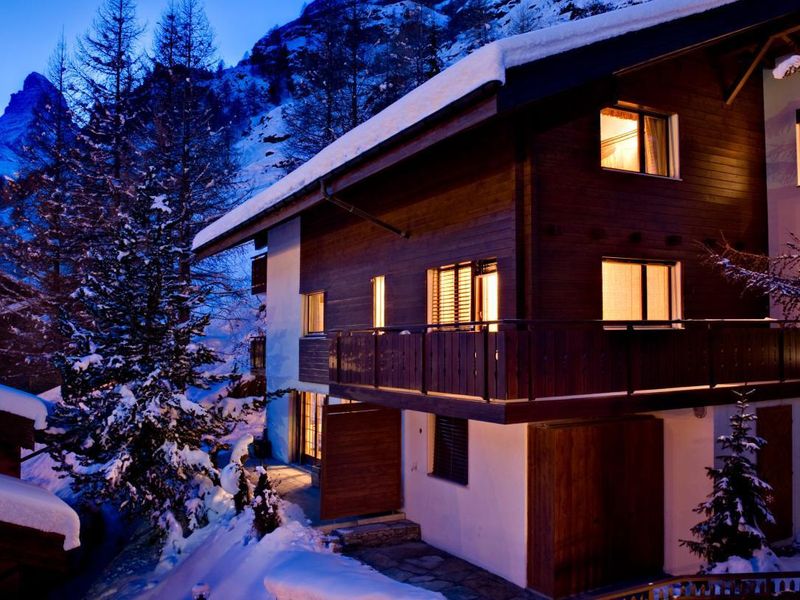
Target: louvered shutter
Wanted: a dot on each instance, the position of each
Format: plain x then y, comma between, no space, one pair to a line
451,449
451,294
258,272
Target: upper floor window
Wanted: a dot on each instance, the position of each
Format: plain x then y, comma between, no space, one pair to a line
640,291
379,301
258,275
463,292
314,313
638,141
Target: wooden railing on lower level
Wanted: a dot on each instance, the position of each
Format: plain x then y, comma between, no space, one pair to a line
512,360
742,586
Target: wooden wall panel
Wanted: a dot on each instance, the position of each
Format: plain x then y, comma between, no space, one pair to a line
314,359
774,424
457,202
582,212
361,461
595,504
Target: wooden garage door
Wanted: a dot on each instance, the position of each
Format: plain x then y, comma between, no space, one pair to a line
774,424
595,504
361,463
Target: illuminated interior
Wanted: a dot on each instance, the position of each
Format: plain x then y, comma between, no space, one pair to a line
315,313
634,291
619,139
379,301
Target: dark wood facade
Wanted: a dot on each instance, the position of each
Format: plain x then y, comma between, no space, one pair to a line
774,425
595,504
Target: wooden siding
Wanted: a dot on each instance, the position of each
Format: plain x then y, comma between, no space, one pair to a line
16,430
10,460
582,213
314,359
457,202
361,461
595,504
774,424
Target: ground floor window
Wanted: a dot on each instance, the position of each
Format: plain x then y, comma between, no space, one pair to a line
636,290
451,449
311,427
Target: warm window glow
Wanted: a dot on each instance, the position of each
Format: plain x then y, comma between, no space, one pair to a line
312,424
619,139
625,134
314,313
451,294
488,298
379,301
636,291
797,143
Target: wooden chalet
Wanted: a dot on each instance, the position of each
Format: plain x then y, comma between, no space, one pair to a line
501,319
37,529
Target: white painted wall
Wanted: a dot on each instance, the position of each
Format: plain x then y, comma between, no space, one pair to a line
284,328
484,522
688,450
781,101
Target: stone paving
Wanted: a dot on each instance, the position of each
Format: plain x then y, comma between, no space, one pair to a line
424,566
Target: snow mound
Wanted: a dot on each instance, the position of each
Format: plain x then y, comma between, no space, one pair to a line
226,557
23,404
28,505
485,66
763,561
335,578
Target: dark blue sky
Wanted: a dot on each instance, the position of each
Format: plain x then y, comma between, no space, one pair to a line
29,29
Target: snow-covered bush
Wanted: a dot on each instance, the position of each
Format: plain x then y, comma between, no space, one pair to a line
737,506
265,504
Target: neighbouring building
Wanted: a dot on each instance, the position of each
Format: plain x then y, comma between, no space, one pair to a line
494,302
37,528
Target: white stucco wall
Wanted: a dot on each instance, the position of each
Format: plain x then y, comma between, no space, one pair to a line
484,522
781,101
688,450
284,327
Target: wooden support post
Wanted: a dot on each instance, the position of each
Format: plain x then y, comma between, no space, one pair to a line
486,394
423,386
375,362
629,360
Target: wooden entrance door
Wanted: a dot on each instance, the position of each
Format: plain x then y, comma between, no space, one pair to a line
774,424
595,504
361,462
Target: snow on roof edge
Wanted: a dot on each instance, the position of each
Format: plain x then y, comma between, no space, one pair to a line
28,505
486,65
23,404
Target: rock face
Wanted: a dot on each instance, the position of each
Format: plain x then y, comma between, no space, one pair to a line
19,117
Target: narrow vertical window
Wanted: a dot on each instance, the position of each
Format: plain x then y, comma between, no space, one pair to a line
797,143
314,308
311,407
451,449
379,301
486,292
258,275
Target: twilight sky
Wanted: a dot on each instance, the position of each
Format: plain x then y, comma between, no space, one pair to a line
29,29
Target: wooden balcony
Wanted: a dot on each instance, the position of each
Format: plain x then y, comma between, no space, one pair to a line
521,371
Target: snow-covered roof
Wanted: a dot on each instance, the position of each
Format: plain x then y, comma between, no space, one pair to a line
28,505
23,404
485,66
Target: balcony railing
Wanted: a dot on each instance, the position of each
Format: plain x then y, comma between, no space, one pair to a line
515,360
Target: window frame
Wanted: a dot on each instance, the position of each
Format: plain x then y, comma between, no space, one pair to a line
670,140
477,269
674,293
307,331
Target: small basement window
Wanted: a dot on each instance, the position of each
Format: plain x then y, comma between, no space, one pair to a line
640,291
451,449
638,141
314,313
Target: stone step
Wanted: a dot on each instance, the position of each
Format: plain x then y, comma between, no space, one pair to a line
375,534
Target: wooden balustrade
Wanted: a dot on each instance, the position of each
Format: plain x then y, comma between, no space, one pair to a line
743,586
512,360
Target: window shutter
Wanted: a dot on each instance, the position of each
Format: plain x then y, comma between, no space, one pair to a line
451,294
258,275
451,449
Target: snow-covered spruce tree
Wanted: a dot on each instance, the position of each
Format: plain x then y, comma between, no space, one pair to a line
265,503
737,507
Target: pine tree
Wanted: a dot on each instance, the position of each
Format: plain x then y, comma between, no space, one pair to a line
737,507
265,505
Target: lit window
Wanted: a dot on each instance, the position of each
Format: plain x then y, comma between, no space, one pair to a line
632,140
463,293
797,142
311,445
314,321
640,291
486,291
379,301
